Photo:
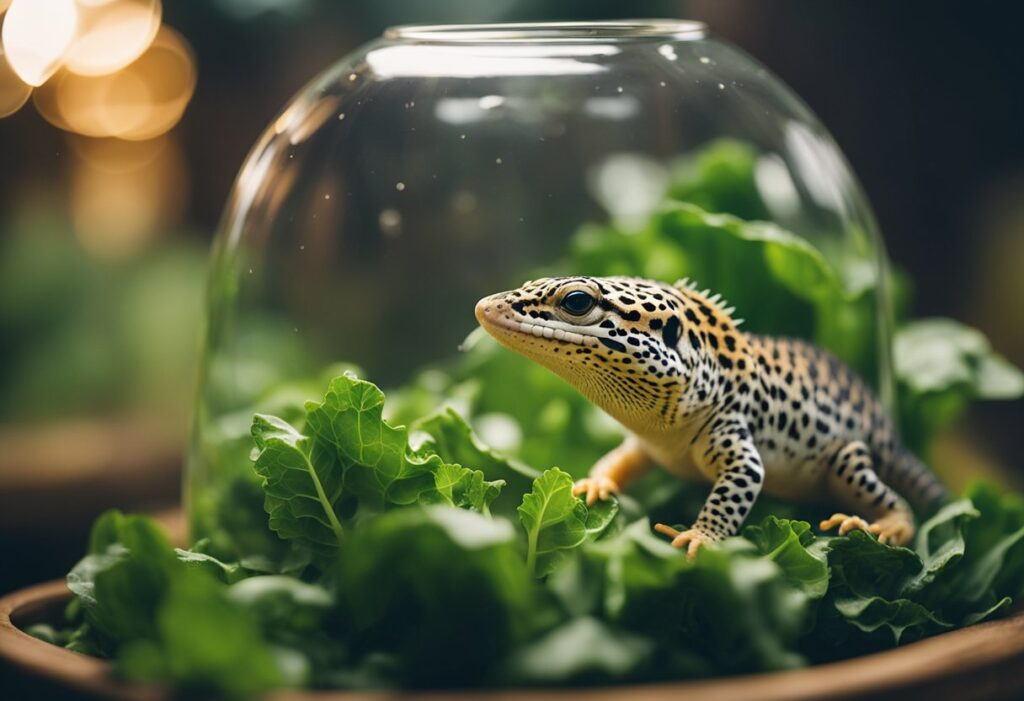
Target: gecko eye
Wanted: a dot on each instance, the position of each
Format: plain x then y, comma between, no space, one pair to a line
578,303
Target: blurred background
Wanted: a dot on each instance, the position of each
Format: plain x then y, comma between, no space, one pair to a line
124,123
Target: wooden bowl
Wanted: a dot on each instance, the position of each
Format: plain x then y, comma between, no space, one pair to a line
55,478
980,662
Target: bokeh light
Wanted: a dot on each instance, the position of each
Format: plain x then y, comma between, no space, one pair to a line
36,36
112,34
142,100
13,91
122,192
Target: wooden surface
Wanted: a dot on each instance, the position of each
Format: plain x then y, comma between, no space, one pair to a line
55,478
980,662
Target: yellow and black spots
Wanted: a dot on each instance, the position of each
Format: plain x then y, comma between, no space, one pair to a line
853,481
728,456
706,400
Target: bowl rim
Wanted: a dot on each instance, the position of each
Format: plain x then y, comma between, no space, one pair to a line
960,662
551,32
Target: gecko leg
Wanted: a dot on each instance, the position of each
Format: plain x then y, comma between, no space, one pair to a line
730,452
613,472
853,482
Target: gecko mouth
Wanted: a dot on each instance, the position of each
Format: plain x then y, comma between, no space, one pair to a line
491,316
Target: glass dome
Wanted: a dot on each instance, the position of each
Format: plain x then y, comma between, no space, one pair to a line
440,164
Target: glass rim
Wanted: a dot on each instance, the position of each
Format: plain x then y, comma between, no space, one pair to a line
551,32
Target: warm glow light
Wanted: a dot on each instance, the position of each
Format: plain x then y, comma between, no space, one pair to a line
124,192
45,100
112,34
13,92
36,35
141,101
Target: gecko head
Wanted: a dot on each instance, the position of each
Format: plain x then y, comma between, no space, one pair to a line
614,339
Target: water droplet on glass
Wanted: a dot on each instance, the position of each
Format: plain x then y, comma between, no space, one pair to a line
341,116
327,197
618,89
352,76
390,222
399,186
498,161
705,60
721,86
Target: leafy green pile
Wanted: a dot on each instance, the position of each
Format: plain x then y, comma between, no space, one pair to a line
420,558
429,542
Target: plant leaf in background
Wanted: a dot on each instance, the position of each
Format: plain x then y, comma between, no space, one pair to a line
941,366
720,179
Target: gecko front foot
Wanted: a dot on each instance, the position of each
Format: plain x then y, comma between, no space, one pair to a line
692,539
595,488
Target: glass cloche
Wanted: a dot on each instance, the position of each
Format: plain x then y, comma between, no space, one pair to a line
439,164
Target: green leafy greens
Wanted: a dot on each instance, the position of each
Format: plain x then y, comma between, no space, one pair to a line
423,586
344,550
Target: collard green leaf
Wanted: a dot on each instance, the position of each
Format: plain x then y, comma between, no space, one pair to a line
202,641
553,518
227,572
351,462
447,434
445,590
121,587
870,613
459,486
556,521
280,602
792,546
730,608
373,455
585,650
302,482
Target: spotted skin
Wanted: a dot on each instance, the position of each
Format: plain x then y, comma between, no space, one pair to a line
707,401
